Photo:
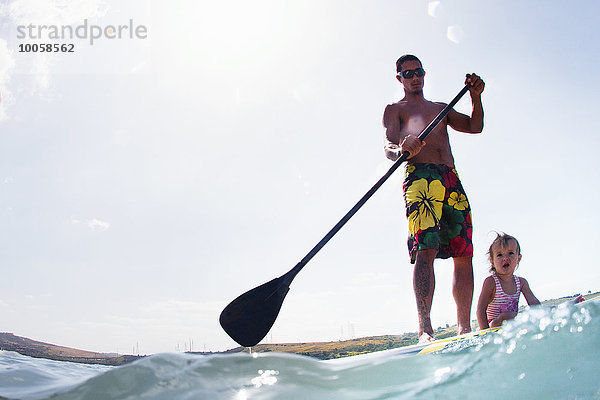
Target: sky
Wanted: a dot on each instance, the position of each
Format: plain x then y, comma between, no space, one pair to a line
148,180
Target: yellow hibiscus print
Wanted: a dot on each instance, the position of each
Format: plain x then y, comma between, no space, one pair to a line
425,200
458,201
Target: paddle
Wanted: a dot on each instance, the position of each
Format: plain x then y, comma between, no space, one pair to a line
248,318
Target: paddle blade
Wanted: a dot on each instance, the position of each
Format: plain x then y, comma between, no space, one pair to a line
248,318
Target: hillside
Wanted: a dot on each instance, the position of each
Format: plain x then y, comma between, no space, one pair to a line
345,348
321,350
33,348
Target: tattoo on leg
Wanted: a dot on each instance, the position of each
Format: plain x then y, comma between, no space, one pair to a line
423,292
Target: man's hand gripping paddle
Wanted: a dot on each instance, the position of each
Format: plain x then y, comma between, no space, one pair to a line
248,318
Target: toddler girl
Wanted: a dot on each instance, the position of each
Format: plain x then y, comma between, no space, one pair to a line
499,299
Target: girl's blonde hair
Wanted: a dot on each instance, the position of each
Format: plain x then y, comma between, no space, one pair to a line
502,239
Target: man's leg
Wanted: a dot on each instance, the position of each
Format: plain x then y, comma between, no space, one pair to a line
424,286
462,289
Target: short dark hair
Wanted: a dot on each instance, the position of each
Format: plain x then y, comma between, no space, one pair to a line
404,58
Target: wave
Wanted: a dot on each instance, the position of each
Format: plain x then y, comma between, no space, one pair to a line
23,377
544,353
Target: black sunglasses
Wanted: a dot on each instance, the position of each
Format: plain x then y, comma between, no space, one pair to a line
409,73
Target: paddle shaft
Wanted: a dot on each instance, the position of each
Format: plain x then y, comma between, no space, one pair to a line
289,276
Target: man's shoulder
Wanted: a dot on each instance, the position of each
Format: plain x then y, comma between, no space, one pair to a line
437,104
404,104
398,108
397,105
392,111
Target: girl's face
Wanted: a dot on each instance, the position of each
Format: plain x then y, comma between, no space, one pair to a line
505,258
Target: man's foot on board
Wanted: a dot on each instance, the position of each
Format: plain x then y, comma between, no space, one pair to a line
426,338
462,331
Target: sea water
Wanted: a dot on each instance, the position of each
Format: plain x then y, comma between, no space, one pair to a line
545,353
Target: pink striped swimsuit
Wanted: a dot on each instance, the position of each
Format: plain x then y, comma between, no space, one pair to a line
503,302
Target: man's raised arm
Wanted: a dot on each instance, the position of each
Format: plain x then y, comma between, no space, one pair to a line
474,123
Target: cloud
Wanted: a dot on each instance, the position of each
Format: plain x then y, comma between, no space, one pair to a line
38,65
7,64
55,12
97,224
94,224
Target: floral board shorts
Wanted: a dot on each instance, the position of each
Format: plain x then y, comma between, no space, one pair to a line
439,214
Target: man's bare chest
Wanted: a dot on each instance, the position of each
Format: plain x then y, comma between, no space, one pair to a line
414,122
425,113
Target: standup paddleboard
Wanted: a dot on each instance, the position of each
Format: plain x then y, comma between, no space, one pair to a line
436,345
423,348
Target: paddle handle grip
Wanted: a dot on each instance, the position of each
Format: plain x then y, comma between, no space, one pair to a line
289,276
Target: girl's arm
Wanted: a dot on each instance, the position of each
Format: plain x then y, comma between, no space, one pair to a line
529,296
485,298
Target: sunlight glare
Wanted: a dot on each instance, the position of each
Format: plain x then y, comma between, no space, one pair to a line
433,8
455,34
228,35
237,51
241,395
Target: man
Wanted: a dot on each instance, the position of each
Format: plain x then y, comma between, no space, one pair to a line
439,214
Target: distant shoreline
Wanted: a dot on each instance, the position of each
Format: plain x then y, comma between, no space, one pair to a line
320,350
36,349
